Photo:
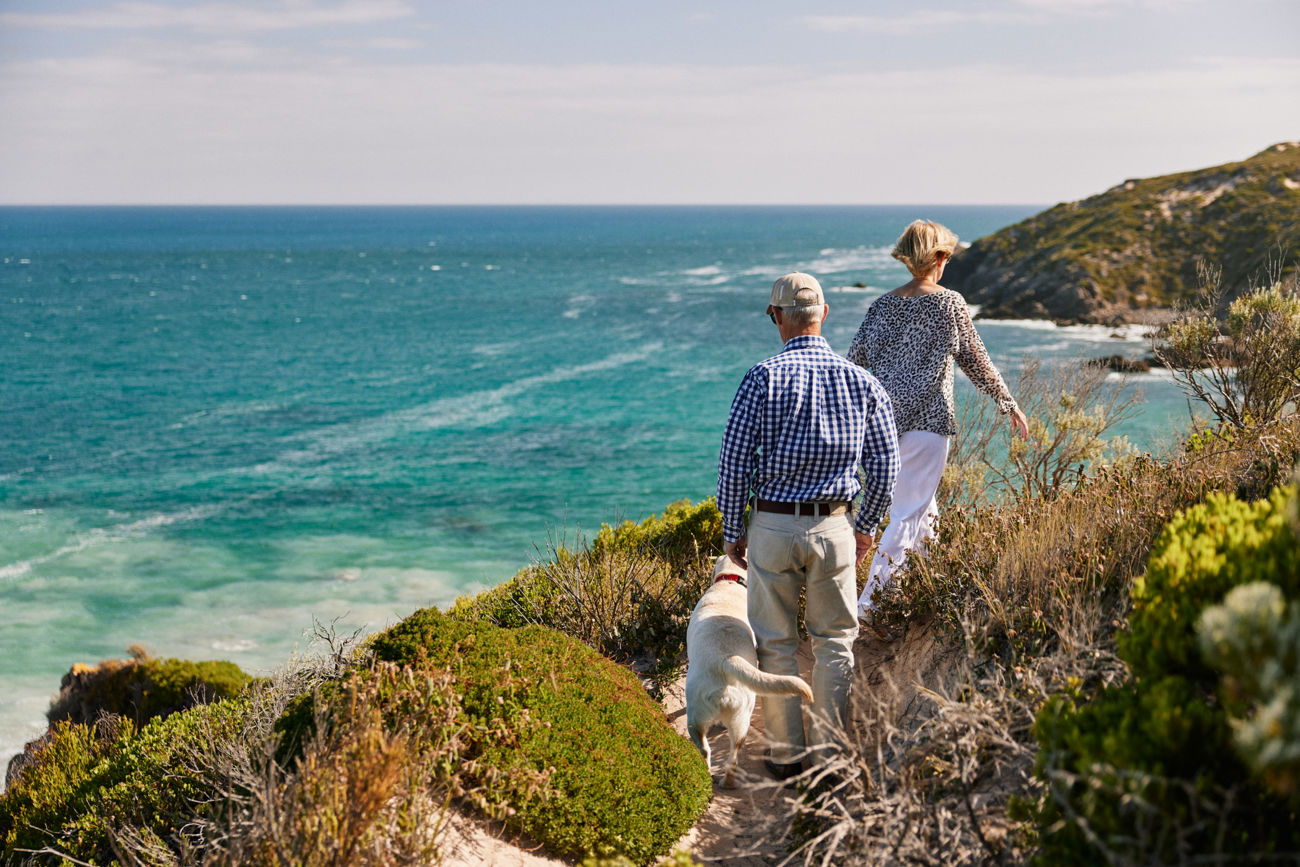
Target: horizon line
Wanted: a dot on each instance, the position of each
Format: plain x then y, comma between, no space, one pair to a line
521,204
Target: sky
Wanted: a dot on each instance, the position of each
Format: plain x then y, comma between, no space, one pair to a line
560,102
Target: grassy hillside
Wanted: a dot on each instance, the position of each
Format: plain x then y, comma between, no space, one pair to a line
1137,245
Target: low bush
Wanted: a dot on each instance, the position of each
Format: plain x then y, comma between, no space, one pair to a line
617,779
1202,554
1072,409
1253,640
90,782
203,785
1243,366
682,533
143,688
628,594
1152,771
370,788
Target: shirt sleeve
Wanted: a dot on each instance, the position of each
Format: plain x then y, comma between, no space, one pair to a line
858,348
879,465
739,456
974,361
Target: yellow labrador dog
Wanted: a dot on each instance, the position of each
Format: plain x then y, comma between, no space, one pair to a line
722,675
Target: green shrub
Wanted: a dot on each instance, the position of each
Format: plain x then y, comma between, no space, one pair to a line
620,781
1147,772
680,534
143,688
89,782
1244,367
1253,639
1202,554
628,595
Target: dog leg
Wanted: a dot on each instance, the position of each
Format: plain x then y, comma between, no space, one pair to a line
737,739
699,737
737,731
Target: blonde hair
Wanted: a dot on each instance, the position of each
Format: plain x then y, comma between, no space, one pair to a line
920,245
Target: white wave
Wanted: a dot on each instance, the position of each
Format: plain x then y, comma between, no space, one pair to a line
1098,333
837,260
108,535
475,409
228,410
234,645
579,304
492,350
1162,373
1056,346
706,271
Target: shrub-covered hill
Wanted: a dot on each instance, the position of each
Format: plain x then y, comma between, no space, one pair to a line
358,762
1108,257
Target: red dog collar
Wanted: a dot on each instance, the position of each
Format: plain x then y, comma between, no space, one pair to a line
726,577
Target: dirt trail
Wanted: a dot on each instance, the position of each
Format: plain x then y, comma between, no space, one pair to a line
737,828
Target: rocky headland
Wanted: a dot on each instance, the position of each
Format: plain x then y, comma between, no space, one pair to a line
1131,253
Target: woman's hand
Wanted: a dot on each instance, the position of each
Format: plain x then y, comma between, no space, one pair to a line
1019,423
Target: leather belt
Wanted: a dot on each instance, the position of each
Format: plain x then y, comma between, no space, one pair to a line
813,510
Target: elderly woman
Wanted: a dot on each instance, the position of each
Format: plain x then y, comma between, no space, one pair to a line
909,340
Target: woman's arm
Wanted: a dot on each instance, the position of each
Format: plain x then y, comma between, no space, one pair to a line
974,361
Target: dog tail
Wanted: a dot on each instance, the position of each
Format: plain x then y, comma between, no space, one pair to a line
763,683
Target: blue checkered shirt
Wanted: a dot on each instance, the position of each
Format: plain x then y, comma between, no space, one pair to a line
800,426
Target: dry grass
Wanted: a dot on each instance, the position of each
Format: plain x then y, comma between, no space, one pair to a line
932,780
1028,596
1021,571
360,794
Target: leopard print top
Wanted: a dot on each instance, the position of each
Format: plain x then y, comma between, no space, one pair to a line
910,345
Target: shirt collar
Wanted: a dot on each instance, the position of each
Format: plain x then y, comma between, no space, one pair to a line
806,341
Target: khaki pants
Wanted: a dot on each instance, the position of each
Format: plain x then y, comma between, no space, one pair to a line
786,553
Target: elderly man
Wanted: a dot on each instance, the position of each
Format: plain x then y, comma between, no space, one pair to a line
801,425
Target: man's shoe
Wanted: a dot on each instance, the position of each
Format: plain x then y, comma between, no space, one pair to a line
781,771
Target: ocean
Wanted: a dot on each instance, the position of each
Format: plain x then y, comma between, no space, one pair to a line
221,425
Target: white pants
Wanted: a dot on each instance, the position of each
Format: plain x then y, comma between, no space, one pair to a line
787,553
912,515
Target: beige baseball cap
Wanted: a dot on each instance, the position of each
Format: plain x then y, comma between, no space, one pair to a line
797,290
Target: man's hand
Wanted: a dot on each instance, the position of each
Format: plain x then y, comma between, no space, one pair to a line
865,544
736,551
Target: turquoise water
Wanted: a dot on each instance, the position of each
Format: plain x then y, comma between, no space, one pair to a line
221,423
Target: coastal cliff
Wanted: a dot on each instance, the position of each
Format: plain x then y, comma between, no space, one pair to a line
1121,255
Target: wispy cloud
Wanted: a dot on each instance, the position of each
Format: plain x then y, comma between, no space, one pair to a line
363,131
909,23
214,17
1016,12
